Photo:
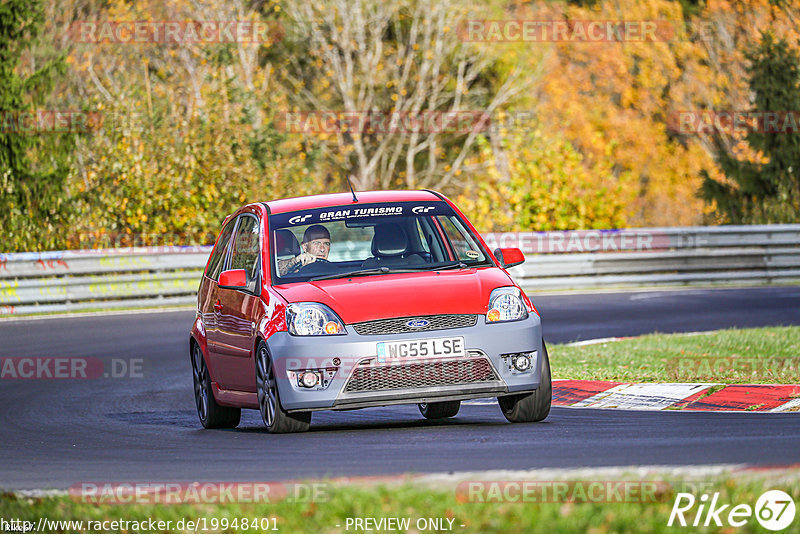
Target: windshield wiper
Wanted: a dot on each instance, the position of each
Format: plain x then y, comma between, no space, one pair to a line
360,272
385,270
459,265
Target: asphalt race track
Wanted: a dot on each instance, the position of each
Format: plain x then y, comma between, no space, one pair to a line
56,433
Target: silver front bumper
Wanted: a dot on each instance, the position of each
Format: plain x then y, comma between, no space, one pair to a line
482,373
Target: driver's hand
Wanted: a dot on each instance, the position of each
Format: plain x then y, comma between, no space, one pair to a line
304,259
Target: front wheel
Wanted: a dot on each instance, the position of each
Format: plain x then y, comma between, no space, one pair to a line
530,407
439,410
211,414
277,420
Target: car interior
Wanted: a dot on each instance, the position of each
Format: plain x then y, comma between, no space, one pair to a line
393,242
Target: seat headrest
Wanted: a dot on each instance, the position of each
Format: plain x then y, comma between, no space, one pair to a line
286,243
390,239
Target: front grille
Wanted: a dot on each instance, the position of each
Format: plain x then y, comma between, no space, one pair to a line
421,375
398,325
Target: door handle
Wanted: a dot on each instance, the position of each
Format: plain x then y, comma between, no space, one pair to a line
218,306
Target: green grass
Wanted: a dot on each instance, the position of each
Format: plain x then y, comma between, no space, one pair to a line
754,355
413,501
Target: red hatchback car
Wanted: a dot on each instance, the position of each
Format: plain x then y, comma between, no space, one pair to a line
345,301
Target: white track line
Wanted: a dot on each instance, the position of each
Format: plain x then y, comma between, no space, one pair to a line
599,340
794,403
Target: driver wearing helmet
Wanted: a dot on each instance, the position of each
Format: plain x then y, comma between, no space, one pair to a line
316,244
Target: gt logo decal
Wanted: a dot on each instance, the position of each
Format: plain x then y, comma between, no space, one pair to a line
421,209
298,219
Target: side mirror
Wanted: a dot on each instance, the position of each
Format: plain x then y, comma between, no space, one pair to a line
233,279
509,257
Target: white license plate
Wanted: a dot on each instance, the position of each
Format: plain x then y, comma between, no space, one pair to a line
422,348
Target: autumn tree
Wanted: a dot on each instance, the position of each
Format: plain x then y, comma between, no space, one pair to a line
191,130
547,184
33,161
765,191
403,58
188,134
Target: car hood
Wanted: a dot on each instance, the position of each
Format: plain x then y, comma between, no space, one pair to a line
366,298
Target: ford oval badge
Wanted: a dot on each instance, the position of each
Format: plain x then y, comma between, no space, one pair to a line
417,323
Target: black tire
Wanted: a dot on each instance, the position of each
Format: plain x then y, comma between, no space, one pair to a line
275,418
211,414
530,407
439,410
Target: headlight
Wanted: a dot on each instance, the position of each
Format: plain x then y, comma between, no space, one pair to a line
505,304
312,319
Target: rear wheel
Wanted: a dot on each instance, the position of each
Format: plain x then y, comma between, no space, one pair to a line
530,407
439,410
211,414
277,420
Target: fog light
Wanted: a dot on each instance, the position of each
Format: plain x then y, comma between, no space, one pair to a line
309,380
522,362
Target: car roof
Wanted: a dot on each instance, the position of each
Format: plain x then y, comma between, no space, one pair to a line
346,199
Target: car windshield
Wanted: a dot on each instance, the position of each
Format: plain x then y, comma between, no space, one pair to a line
371,239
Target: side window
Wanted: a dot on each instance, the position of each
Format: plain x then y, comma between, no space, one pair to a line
245,251
430,236
425,246
466,248
218,256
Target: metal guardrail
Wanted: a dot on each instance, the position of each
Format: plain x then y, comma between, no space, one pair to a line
646,257
167,276
56,281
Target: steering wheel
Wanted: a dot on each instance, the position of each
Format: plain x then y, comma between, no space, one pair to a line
297,267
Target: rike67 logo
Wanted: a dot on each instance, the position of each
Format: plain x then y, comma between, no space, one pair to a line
774,510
